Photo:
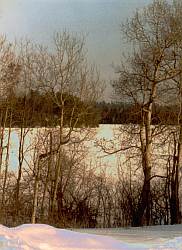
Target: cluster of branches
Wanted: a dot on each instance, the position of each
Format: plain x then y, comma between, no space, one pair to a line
53,87
85,196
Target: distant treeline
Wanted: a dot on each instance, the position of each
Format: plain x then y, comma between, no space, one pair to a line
41,111
124,113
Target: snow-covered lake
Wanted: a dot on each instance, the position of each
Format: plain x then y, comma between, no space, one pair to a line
95,155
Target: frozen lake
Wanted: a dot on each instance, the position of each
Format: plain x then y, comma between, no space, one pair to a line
95,155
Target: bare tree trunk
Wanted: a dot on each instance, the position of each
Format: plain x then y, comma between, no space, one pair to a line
2,131
50,162
6,163
146,141
174,197
57,176
36,186
177,164
20,159
58,161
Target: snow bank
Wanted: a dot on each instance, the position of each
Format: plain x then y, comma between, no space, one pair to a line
44,237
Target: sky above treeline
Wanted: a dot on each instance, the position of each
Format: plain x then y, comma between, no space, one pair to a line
99,20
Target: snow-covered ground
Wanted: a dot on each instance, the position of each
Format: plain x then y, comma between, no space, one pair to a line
153,237
44,237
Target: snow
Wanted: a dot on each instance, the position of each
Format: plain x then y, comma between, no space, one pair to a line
44,237
153,237
104,131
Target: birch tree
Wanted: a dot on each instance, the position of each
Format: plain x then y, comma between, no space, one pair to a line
145,78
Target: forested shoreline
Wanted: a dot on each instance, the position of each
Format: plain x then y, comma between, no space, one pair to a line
40,111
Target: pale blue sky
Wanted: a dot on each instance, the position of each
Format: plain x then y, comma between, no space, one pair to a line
100,19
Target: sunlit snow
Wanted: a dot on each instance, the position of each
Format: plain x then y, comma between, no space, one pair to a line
44,237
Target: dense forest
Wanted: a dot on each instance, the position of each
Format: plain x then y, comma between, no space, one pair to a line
45,112
41,111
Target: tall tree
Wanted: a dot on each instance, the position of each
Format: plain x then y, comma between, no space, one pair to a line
146,76
70,84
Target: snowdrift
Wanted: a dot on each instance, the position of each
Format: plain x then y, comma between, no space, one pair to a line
44,237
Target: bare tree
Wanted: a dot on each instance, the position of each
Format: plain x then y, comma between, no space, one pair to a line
145,78
70,86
